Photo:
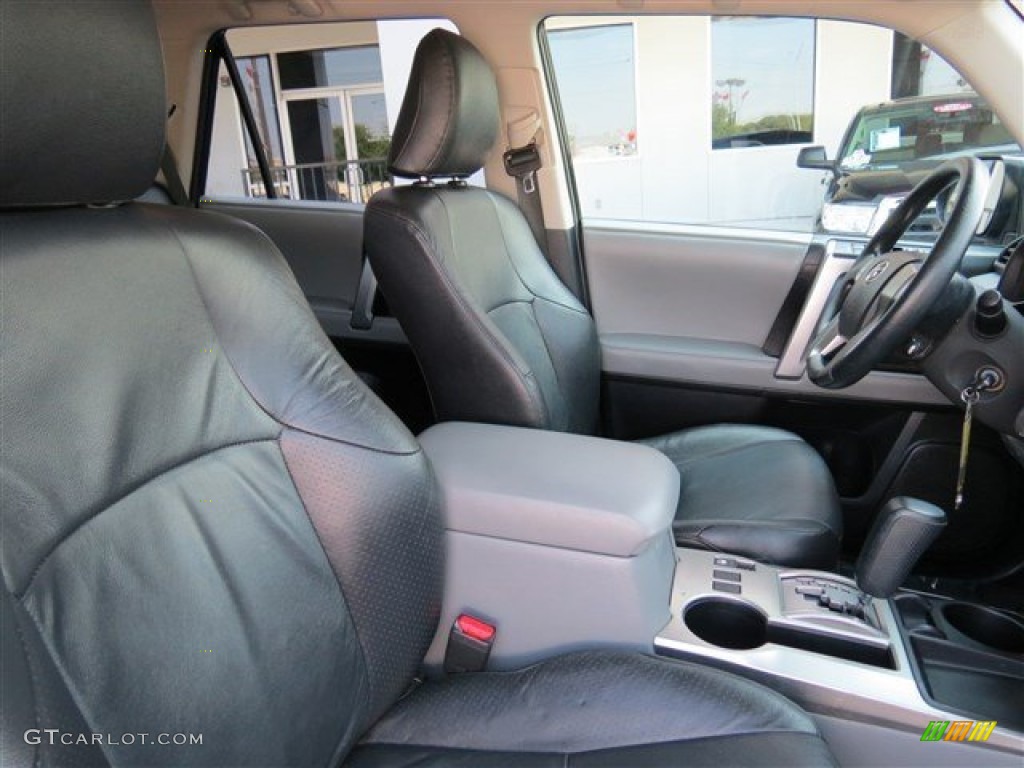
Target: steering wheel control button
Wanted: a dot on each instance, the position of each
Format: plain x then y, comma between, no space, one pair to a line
745,565
726,575
727,562
917,348
727,586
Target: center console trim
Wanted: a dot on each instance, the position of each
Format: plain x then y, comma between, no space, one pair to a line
821,684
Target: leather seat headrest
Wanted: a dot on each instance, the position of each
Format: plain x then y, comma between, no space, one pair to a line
83,102
449,117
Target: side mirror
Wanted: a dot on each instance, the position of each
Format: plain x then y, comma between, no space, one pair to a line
815,159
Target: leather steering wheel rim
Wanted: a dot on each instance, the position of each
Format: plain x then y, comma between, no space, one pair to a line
883,306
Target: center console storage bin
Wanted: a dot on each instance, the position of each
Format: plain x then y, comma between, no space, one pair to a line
968,658
561,541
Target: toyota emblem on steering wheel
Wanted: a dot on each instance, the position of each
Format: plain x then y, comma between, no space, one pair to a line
876,271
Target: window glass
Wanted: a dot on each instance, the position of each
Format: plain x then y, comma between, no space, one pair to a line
762,80
324,98
701,119
919,71
358,65
259,90
597,86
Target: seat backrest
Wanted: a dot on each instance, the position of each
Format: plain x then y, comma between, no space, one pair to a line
210,526
498,336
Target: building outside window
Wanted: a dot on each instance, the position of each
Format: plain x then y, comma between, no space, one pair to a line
762,81
597,83
324,99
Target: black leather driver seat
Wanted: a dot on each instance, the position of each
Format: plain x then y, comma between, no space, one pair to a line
211,529
500,339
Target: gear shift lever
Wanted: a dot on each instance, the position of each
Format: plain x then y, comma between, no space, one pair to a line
904,529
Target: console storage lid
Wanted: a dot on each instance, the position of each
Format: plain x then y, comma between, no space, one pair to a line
560,490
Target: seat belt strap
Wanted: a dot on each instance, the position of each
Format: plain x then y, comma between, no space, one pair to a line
175,187
522,161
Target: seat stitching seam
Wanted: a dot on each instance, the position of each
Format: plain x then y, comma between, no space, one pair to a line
31,676
501,228
227,357
749,522
725,451
775,729
450,72
421,236
551,359
71,690
337,576
536,385
508,303
133,488
526,377
403,148
454,288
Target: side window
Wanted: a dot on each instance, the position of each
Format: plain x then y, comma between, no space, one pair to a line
324,99
762,81
596,67
700,119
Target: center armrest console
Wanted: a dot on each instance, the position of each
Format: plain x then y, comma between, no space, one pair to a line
564,542
561,541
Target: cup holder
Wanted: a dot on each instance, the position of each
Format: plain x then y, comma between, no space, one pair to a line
977,625
727,623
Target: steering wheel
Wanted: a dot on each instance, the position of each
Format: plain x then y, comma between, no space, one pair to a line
887,293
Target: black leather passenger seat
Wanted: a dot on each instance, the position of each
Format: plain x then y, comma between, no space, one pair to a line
502,340
210,526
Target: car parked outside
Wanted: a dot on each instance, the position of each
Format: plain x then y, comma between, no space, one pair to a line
889,147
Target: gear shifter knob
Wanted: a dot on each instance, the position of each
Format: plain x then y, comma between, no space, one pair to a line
904,529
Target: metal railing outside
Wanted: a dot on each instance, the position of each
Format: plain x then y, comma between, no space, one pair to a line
351,181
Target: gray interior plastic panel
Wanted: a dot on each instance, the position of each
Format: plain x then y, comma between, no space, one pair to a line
859,743
545,601
323,244
569,491
745,367
337,322
824,685
701,282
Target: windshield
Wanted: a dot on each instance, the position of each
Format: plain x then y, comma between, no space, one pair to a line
901,132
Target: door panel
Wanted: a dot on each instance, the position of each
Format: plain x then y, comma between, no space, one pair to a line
700,282
693,305
323,244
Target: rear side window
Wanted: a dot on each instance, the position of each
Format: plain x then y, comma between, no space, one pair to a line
324,99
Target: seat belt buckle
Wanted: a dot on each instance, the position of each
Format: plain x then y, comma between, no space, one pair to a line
469,645
523,164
